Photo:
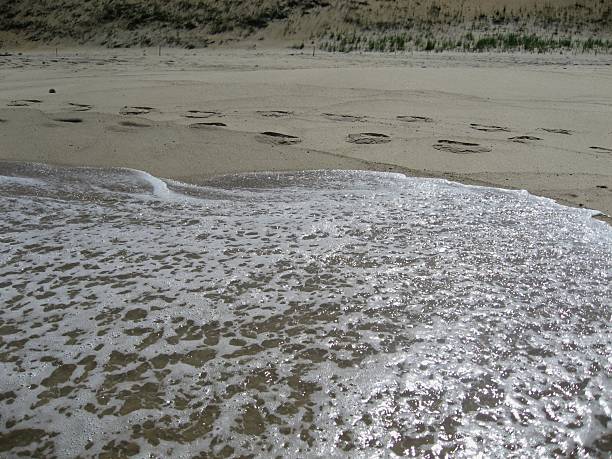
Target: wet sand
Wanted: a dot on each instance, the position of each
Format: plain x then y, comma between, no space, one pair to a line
309,314
540,123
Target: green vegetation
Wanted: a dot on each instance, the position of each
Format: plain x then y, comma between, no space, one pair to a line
334,25
507,42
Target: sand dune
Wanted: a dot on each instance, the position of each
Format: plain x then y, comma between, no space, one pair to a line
330,23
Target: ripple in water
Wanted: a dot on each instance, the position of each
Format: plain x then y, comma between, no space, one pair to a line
319,314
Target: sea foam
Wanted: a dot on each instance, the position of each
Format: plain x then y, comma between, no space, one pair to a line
315,314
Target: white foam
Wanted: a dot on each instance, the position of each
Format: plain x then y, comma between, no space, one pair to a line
21,181
346,314
160,188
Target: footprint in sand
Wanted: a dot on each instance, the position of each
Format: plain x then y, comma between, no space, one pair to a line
134,124
79,107
23,102
69,120
603,149
454,146
347,118
558,131
415,119
524,138
368,138
135,110
205,125
489,128
277,138
274,113
201,114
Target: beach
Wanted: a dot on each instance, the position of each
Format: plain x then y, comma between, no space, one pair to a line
305,314
270,253
518,121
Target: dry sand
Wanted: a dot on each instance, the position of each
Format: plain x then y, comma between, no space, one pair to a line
541,123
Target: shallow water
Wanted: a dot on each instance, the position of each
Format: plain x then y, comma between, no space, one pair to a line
319,314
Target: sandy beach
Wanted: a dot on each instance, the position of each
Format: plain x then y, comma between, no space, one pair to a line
521,121
326,311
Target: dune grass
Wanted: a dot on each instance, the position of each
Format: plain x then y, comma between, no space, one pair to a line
503,42
335,25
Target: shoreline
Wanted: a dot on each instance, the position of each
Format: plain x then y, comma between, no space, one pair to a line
522,122
264,296
382,168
